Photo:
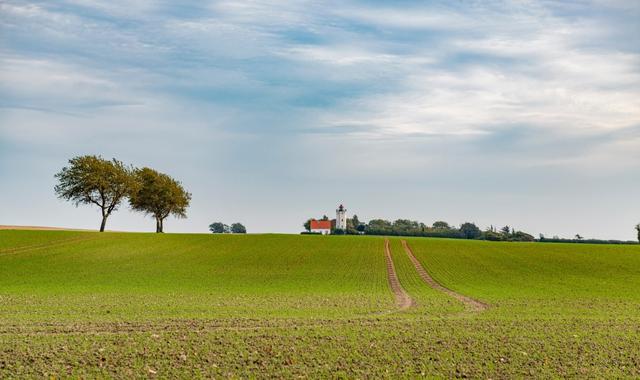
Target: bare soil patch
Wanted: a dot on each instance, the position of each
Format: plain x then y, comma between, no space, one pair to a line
403,300
469,303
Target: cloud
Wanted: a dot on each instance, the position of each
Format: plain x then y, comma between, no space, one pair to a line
261,93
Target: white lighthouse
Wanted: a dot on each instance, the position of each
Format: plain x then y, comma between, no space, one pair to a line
341,218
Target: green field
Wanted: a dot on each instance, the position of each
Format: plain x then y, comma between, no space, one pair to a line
126,305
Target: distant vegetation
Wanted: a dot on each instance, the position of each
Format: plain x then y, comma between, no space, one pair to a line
221,228
582,240
93,180
404,227
442,229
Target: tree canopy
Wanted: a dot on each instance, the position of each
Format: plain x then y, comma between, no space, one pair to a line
442,225
94,180
470,230
238,228
219,228
159,195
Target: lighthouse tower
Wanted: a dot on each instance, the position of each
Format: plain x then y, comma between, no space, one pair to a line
341,218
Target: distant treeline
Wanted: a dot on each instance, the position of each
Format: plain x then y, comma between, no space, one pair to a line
441,229
556,239
404,227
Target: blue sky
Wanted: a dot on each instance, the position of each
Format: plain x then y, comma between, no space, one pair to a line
524,113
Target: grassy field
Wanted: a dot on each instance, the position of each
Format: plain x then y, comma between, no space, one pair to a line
81,304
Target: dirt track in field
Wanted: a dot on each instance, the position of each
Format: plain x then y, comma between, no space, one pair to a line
39,228
27,248
469,303
403,300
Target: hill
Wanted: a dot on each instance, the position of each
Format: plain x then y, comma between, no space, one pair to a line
193,305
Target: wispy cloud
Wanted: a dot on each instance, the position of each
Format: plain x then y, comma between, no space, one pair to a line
280,85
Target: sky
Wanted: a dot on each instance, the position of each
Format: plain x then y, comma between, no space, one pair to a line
520,113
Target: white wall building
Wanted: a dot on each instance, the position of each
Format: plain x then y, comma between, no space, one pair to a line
341,218
320,226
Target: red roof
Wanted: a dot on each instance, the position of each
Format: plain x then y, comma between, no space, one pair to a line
320,224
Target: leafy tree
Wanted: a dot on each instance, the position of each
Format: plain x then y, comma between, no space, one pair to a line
218,228
492,235
238,228
470,230
355,221
406,227
578,237
307,225
94,180
521,236
638,229
159,195
379,227
505,230
324,217
361,228
441,225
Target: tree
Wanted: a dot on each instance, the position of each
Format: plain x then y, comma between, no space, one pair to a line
324,217
638,229
159,195
238,228
307,225
406,227
521,236
379,227
492,235
94,180
219,228
470,231
505,230
578,237
441,225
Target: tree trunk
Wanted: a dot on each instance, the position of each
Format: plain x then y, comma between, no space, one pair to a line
104,223
161,225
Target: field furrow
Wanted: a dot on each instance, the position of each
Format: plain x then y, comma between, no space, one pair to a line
127,305
470,303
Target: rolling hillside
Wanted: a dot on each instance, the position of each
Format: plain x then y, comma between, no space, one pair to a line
193,305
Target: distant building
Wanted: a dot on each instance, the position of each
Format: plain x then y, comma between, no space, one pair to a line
321,226
325,227
341,218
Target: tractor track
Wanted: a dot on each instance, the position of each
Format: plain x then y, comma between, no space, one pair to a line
469,303
403,300
28,248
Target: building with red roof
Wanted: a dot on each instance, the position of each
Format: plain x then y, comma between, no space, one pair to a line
321,226
325,226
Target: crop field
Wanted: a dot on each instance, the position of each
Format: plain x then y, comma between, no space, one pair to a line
127,305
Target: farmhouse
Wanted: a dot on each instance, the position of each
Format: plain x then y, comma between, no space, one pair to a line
321,226
326,226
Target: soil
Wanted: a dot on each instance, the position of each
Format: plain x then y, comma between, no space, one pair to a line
403,300
469,303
